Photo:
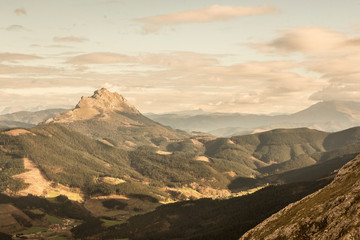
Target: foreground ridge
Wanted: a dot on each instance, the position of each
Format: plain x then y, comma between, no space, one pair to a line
330,213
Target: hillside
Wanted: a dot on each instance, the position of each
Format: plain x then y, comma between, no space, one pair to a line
72,159
225,219
204,165
109,117
330,213
114,183
327,116
278,151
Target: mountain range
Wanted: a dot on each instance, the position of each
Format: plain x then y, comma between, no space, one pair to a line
326,116
329,116
112,172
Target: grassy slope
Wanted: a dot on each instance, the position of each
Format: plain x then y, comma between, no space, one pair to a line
121,128
331,213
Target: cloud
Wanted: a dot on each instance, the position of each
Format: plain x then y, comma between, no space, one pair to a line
192,79
16,56
309,39
100,58
15,28
332,56
20,11
338,91
342,75
172,60
211,14
178,60
70,39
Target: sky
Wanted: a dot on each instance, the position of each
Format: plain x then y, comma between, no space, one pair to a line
260,56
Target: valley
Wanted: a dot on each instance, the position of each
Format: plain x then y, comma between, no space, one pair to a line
130,177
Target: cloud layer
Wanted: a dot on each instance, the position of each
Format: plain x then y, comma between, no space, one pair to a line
16,56
333,55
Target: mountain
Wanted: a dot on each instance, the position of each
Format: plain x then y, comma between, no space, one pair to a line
118,163
114,183
326,116
26,118
109,117
330,213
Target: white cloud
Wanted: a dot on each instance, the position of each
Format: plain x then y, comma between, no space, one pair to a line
210,14
70,39
309,39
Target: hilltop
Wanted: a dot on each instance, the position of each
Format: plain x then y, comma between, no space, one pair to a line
107,116
99,106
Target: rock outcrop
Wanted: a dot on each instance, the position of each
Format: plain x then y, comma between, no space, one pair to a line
330,213
99,105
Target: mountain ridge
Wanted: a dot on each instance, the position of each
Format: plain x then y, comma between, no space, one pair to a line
330,213
327,116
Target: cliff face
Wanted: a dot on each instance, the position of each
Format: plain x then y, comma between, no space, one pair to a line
330,213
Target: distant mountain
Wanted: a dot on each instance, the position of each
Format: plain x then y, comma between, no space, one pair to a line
326,116
27,118
183,113
330,213
12,124
109,117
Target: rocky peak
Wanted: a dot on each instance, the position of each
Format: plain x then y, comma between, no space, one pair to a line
99,105
104,100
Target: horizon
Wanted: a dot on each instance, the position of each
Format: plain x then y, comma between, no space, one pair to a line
258,57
